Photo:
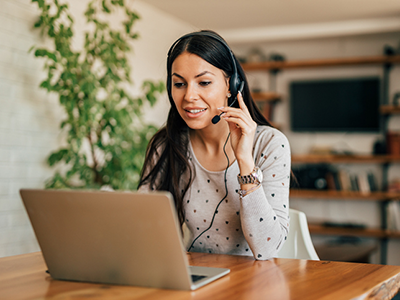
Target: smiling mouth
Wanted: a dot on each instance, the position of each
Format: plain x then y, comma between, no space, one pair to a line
195,111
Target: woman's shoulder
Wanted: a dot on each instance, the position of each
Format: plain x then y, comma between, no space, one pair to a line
268,141
267,134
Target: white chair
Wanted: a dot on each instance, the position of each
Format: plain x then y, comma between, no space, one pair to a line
298,243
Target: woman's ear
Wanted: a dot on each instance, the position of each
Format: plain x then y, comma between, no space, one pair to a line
227,80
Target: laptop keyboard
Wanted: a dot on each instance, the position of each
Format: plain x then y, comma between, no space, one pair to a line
197,277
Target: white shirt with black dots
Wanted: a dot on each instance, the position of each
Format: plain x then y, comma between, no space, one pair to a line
258,223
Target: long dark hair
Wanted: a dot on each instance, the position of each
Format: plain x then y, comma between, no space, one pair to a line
167,153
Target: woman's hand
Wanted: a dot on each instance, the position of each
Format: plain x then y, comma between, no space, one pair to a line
242,129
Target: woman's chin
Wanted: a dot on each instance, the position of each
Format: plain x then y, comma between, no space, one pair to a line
198,125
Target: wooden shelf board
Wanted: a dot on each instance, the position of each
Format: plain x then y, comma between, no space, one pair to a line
266,96
350,61
333,158
367,232
390,109
393,234
348,252
343,195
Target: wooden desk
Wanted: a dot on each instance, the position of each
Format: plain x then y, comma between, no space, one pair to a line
24,277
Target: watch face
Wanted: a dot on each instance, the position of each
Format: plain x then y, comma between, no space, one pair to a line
258,174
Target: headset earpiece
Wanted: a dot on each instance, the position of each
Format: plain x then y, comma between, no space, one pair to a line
234,84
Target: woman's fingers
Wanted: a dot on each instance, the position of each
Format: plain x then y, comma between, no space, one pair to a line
237,116
234,119
242,105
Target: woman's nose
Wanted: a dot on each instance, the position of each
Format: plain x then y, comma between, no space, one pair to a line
191,93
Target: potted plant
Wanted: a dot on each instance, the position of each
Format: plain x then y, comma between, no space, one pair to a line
106,137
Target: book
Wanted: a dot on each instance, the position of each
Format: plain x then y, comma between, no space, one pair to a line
393,216
330,181
344,180
337,181
363,183
354,183
372,182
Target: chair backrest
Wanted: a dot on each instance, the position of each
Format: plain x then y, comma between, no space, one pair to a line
298,244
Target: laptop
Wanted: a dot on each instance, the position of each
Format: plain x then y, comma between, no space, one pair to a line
126,238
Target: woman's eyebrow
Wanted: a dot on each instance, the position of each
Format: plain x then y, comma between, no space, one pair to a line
177,75
204,73
198,75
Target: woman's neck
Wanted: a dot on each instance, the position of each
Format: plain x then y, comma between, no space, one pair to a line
210,140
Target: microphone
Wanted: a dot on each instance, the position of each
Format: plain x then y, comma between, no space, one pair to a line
217,118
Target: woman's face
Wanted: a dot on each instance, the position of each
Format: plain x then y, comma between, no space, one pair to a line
198,89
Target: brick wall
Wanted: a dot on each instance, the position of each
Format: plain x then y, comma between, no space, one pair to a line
28,124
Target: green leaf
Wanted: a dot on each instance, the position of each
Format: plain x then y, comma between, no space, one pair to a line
118,2
31,48
127,27
56,157
105,7
45,84
40,52
134,36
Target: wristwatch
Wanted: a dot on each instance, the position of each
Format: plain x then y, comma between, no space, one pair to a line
256,176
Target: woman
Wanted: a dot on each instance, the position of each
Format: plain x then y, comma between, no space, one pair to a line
229,180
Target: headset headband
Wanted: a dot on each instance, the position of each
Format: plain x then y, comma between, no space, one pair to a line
209,34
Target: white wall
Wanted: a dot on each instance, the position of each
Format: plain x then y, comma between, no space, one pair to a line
30,118
335,47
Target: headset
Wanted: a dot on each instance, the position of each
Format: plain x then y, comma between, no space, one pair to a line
236,84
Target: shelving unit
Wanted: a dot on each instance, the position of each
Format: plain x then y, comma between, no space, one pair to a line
382,197
386,110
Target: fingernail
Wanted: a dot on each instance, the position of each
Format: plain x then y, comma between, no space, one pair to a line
240,93
220,107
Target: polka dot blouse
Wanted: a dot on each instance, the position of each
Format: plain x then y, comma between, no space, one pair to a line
258,223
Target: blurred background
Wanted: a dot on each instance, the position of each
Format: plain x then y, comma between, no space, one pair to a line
288,49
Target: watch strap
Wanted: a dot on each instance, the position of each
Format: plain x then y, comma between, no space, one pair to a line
251,178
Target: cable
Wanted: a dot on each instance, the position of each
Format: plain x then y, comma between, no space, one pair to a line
226,195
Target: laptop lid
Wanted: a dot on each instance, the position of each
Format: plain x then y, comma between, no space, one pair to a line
126,238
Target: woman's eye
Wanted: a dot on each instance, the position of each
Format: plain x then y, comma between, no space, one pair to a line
205,83
178,84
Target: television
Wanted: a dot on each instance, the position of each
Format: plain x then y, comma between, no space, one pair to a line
335,105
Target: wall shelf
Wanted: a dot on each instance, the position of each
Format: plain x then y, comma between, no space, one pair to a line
342,195
390,109
266,96
351,61
334,158
356,232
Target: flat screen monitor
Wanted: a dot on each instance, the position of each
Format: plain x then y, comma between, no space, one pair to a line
335,105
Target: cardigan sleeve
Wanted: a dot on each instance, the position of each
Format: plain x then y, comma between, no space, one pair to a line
264,213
